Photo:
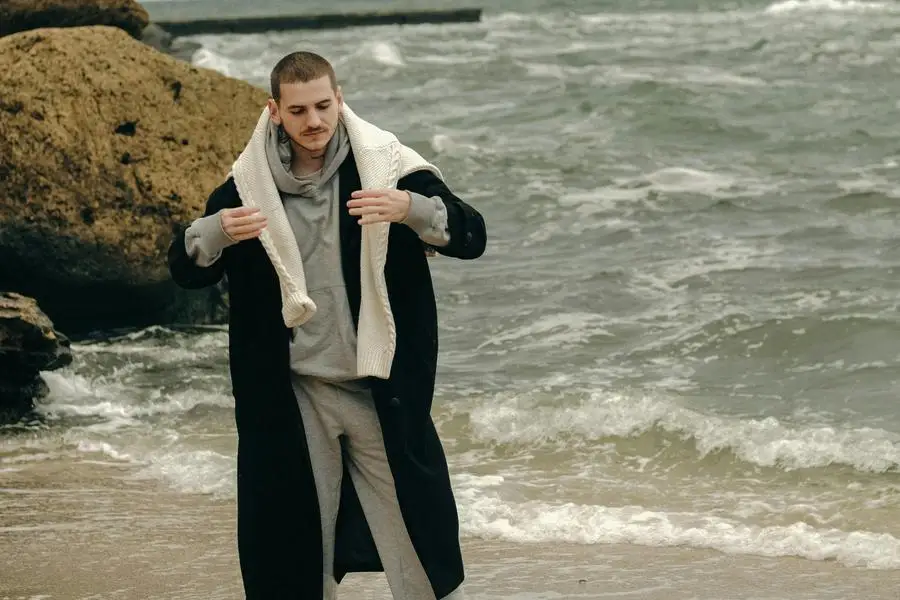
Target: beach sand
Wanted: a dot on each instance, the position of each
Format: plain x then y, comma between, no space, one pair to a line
75,539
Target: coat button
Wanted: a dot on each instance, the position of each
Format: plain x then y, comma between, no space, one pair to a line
468,237
395,402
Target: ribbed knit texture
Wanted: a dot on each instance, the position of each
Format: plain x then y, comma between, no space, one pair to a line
381,160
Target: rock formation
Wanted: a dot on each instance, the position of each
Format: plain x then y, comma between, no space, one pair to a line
107,146
28,345
22,15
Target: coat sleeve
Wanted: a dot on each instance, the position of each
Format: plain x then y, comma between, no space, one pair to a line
468,234
184,270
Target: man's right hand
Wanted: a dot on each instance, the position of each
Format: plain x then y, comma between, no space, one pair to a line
242,223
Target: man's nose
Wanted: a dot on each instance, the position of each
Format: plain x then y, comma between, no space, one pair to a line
314,120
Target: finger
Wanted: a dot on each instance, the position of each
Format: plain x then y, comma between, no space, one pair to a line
369,193
373,218
247,236
241,211
366,210
374,201
242,221
233,231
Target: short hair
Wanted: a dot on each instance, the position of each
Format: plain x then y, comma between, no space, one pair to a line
300,67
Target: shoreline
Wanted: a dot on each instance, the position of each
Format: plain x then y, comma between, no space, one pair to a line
78,539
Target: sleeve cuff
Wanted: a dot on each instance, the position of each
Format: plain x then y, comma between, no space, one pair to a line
428,218
205,240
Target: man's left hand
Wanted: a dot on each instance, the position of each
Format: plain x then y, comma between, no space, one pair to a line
380,206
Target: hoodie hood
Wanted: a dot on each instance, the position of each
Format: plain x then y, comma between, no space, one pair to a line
279,154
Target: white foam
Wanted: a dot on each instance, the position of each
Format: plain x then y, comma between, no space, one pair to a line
684,179
647,192
676,75
206,58
444,143
510,18
711,76
116,409
661,22
65,383
603,200
156,353
162,456
441,142
552,71
33,457
722,255
764,442
664,23
191,471
552,331
151,332
75,395
790,6
149,348
484,514
104,448
386,53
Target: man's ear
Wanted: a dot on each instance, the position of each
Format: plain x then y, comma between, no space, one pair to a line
340,96
273,111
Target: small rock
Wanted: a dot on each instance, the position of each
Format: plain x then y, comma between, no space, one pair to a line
28,345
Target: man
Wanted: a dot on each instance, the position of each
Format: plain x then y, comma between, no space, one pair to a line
321,230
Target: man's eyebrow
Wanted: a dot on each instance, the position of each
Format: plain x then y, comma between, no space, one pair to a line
294,106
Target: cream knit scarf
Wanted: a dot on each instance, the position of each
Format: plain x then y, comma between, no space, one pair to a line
382,161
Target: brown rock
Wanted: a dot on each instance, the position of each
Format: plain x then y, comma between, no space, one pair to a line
28,345
106,147
22,15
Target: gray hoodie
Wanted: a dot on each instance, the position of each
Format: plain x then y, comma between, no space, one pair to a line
325,346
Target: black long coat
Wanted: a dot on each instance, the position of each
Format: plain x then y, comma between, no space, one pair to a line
279,529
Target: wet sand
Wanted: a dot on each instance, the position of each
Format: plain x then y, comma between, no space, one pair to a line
64,539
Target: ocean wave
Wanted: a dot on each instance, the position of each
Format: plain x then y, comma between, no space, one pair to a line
663,22
105,449
551,331
191,471
668,190
112,409
683,180
765,442
791,6
484,514
166,459
188,463
158,345
812,340
385,53
73,395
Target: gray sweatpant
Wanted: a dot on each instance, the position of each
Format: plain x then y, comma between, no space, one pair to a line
330,411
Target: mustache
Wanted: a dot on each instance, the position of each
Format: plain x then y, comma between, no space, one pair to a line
314,131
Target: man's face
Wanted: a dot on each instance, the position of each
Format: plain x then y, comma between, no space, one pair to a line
309,113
